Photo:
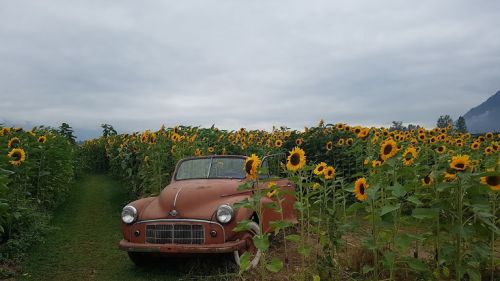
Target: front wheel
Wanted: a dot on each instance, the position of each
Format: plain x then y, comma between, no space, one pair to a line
250,247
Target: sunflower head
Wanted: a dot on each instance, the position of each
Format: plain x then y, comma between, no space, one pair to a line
299,141
278,143
488,150
492,181
459,162
409,156
210,149
273,189
251,166
42,139
329,145
296,159
14,142
320,168
388,149
475,145
449,177
427,180
329,172
349,141
17,155
316,186
360,187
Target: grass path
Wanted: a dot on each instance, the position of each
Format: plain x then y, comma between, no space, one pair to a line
84,244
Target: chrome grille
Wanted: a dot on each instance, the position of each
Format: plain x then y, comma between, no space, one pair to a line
175,234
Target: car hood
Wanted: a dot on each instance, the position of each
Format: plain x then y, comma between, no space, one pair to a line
193,199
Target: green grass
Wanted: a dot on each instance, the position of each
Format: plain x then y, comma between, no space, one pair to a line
84,244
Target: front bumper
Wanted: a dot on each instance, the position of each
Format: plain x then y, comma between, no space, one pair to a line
226,247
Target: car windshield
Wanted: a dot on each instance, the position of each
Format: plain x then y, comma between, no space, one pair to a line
211,168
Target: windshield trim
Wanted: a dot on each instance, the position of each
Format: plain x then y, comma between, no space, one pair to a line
211,157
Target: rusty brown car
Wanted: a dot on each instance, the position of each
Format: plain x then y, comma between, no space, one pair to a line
195,213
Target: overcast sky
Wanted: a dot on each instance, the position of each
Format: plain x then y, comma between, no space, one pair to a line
138,64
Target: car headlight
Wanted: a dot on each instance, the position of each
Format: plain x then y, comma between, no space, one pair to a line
225,213
129,214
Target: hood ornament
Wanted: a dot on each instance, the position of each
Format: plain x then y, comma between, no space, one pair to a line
173,213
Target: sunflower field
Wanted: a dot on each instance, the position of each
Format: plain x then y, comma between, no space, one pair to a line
36,171
373,204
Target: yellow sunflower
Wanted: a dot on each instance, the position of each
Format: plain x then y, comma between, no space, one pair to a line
489,135
251,165
329,145
427,180
210,149
459,162
475,145
492,181
278,143
340,142
299,141
449,177
388,149
272,185
349,141
42,139
296,159
320,168
409,156
441,149
360,187
376,163
329,172
14,142
488,150
18,156
316,186
197,152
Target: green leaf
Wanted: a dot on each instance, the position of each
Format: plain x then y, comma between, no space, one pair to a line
245,186
316,277
275,265
279,225
261,242
424,213
305,250
293,237
474,275
416,264
414,199
367,268
389,208
243,225
389,259
244,262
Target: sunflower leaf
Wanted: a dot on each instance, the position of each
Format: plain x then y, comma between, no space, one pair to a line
389,208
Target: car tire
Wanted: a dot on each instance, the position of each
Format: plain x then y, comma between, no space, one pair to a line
139,259
254,230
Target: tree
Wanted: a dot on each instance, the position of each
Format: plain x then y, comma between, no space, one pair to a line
397,125
444,121
66,130
413,127
108,130
460,125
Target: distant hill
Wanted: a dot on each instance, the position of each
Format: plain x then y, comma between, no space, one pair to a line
485,117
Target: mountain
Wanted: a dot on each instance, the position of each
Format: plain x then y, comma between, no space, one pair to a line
485,117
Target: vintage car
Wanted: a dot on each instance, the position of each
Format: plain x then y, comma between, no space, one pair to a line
194,214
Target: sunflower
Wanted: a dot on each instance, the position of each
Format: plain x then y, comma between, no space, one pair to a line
274,189
299,141
489,135
488,150
388,149
376,163
329,145
449,177
14,143
349,141
329,172
316,186
421,137
42,139
492,181
441,149
427,180
475,145
340,142
320,168
409,156
296,159
210,149
197,152
18,156
251,165
360,187
278,143
459,162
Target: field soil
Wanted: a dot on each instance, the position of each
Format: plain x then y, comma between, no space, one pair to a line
84,243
